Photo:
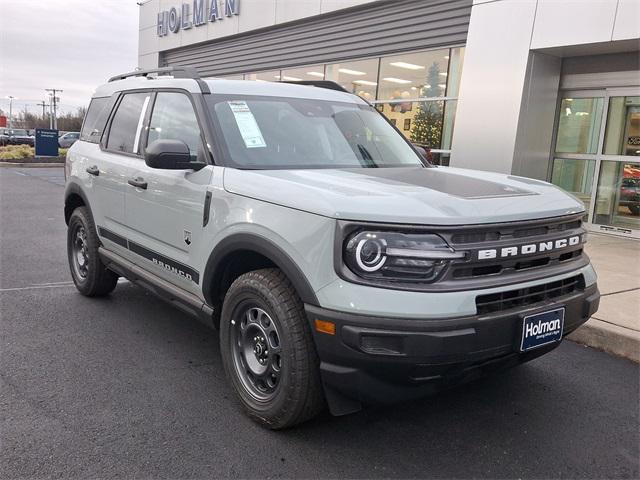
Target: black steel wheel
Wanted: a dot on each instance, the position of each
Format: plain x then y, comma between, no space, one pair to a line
255,343
268,351
88,272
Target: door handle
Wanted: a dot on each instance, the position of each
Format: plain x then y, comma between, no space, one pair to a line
93,170
137,182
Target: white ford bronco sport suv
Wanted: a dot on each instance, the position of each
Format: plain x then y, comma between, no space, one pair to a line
341,268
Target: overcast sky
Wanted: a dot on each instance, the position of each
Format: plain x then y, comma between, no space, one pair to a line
74,45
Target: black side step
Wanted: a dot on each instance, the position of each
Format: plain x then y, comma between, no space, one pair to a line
185,301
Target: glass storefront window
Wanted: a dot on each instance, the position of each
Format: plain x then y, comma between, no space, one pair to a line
428,123
359,77
312,72
420,122
232,77
413,75
574,176
455,71
449,120
579,125
618,196
622,135
269,76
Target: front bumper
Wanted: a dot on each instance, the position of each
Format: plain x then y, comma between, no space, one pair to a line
384,360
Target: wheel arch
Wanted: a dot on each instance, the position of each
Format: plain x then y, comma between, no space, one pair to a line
74,197
242,243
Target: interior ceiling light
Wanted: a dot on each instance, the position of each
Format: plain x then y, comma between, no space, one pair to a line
396,80
291,79
315,74
350,72
442,85
364,82
446,57
444,74
408,66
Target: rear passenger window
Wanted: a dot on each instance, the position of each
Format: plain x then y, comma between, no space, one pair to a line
96,119
127,123
173,118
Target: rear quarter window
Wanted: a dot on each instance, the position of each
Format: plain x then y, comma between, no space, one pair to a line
96,119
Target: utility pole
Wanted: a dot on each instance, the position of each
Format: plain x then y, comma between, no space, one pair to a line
50,112
54,101
43,105
10,97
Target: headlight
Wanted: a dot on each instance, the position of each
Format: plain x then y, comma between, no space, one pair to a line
400,257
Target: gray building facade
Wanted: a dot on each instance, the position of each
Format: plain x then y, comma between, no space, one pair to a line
548,89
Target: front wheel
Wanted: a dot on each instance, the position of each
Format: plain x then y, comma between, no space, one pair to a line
268,351
91,277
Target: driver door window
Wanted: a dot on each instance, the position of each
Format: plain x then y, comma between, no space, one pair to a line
173,118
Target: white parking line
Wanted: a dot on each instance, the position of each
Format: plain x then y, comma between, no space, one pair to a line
41,286
34,287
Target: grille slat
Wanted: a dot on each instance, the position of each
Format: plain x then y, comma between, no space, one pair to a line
495,302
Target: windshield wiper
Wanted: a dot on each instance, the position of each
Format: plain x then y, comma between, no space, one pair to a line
366,156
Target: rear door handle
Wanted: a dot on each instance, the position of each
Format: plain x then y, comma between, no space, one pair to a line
137,182
93,170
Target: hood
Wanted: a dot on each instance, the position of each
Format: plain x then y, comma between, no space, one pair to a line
438,196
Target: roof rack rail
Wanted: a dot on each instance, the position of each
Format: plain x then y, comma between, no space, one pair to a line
320,84
175,72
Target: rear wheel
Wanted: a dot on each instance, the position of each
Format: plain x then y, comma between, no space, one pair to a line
89,274
268,351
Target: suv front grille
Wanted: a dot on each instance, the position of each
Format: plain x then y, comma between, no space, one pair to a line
475,238
497,302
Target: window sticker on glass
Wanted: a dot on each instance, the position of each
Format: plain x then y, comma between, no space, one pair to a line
247,125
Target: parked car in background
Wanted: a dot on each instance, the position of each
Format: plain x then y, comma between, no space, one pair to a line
19,136
68,139
630,194
4,136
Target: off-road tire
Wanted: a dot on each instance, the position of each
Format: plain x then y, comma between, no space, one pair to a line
298,396
99,280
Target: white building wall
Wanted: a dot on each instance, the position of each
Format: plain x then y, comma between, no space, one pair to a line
493,77
509,86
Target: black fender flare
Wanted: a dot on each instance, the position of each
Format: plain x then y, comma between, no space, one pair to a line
263,246
74,188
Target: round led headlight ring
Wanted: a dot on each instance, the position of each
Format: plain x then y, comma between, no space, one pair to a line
370,254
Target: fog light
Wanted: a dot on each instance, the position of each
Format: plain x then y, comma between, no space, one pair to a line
382,345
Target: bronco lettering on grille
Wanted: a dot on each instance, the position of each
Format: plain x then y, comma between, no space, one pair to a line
529,248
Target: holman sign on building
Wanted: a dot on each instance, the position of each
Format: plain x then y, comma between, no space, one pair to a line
204,11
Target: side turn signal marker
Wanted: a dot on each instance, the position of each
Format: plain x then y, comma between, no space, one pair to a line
325,327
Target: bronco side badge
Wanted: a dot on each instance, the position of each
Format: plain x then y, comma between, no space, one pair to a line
187,237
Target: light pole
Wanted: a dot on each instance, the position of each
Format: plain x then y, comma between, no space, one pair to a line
11,97
54,101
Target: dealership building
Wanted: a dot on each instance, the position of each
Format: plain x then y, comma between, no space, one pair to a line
547,89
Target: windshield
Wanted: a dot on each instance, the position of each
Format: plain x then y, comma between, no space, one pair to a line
22,133
274,132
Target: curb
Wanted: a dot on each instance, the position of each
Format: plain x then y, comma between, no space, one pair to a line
610,338
30,165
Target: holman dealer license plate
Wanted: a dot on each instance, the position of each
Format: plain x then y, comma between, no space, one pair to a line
542,328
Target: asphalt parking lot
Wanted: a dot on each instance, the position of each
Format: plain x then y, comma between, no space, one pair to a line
127,386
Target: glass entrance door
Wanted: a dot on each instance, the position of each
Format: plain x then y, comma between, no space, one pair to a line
597,156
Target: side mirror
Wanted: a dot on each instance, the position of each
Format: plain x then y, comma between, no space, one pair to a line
170,155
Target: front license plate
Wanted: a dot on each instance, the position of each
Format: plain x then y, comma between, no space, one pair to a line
542,328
